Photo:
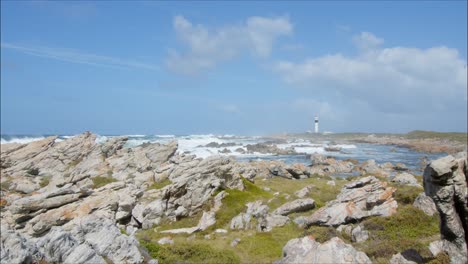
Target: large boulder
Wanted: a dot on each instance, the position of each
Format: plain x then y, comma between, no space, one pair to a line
299,205
357,200
445,181
307,250
405,178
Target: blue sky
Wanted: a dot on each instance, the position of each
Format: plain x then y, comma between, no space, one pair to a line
129,67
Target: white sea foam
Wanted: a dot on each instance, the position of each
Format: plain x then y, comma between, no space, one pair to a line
165,136
20,140
135,136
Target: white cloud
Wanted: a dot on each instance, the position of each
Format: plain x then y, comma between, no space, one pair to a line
367,41
207,48
390,80
79,57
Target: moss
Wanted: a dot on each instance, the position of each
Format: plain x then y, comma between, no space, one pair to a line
190,253
408,228
5,186
73,163
101,181
159,185
45,180
33,171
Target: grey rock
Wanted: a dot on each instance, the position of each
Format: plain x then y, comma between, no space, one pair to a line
453,250
14,248
307,250
409,256
304,191
359,234
357,200
425,203
406,179
241,221
299,205
445,181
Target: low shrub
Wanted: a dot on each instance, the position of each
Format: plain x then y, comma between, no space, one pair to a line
189,253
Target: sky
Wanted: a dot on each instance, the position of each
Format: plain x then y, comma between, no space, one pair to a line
247,68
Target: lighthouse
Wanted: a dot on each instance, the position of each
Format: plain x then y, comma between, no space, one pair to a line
316,124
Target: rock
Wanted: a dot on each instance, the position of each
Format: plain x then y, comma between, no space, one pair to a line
207,220
241,221
409,256
453,250
445,181
257,209
304,191
14,248
359,234
235,242
165,241
307,250
400,167
347,229
425,203
299,205
221,231
370,167
218,201
280,172
331,183
406,179
357,200
266,224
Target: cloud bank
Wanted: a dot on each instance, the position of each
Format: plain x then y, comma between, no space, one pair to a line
206,48
389,80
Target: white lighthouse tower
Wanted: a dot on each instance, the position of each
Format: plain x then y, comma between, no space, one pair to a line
316,124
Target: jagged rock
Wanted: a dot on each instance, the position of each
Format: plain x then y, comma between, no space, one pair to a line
257,209
406,179
323,165
357,200
359,234
445,181
304,191
409,256
14,248
241,221
400,167
299,205
280,172
370,167
218,201
425,203
208,219
307,250
453,250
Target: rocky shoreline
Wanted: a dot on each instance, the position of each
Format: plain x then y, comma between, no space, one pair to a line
77,201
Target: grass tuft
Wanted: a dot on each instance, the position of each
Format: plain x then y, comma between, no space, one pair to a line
101,181
159,185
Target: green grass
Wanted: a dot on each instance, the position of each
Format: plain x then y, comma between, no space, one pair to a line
187,252
406,194
234,203
321,193
101,181
408,228
45,180
451,136
159,185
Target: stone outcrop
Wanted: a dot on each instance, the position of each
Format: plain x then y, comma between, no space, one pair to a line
307,250
445,181
299,205
265,221
357,200
425,203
